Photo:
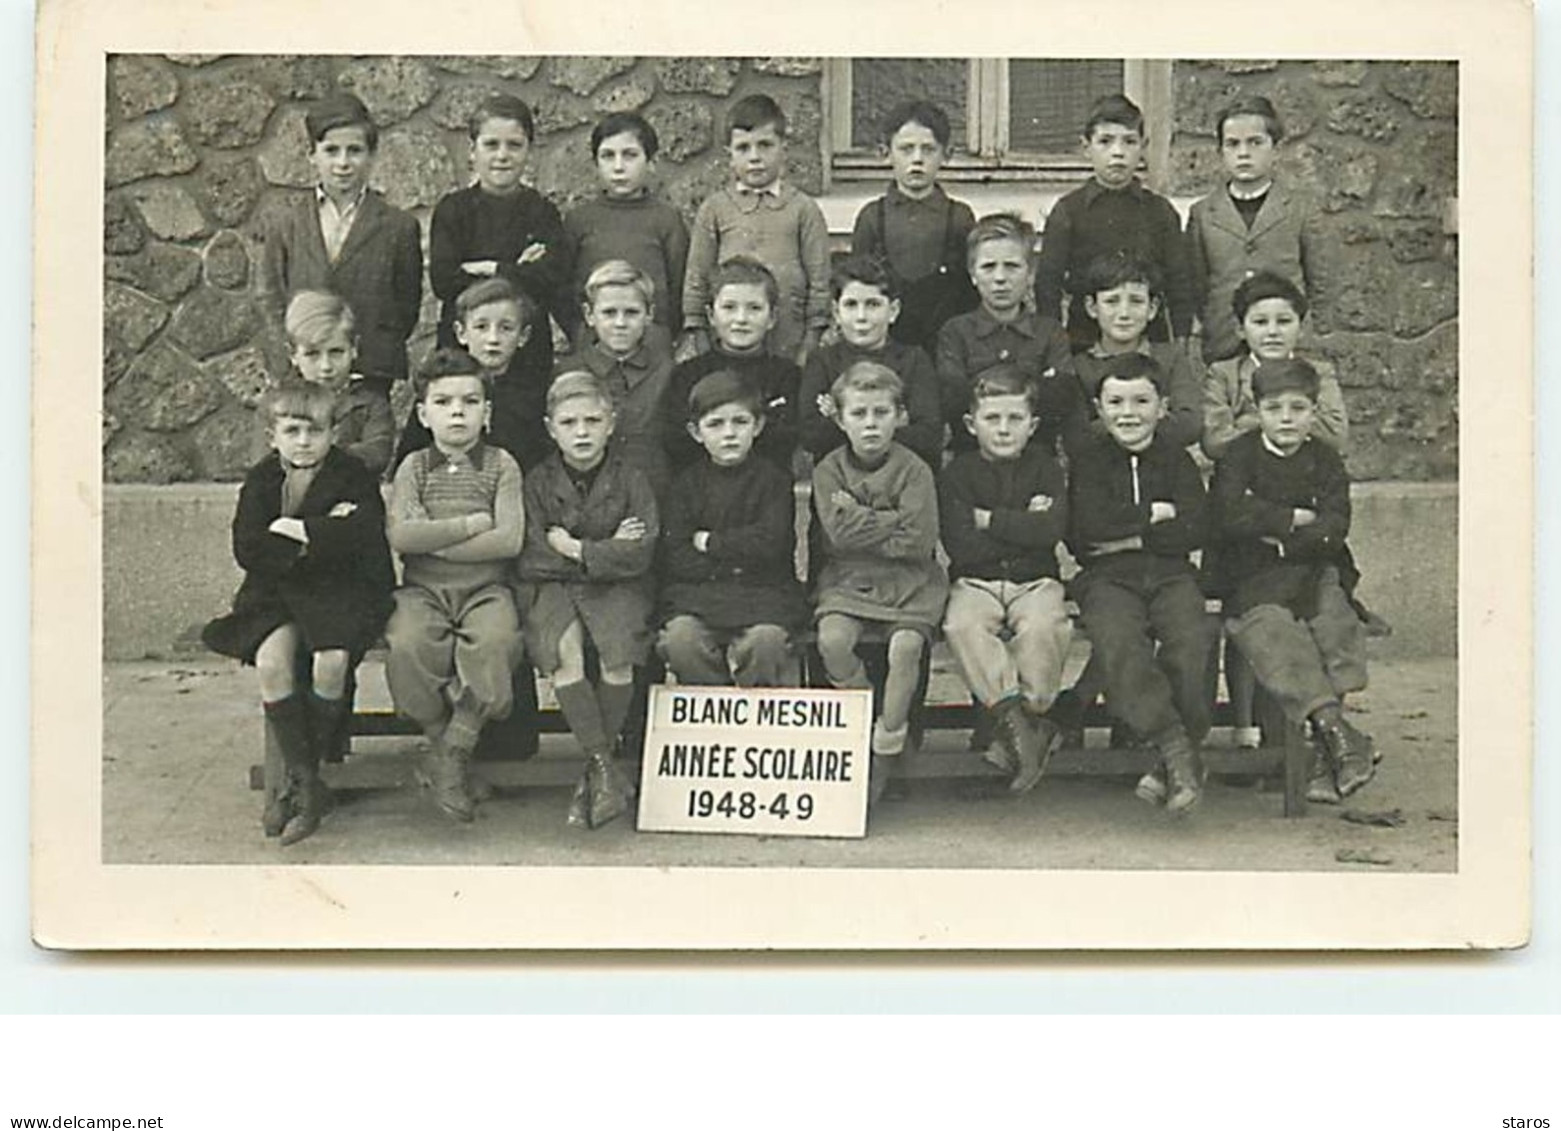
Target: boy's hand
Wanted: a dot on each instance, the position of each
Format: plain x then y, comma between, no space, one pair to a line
290,528
702,541
564,542
983,519
479,523
631,529
344,509
843,498
826,407
691,345
1270,540
1161,511
830,336
1302,516
534,251
1039,503
485,268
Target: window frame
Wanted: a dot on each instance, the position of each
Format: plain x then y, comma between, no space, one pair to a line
985,158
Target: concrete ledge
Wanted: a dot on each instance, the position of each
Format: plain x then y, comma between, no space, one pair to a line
168,568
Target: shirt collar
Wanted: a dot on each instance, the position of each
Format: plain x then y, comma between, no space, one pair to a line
472,457
1097,351
897,198
1093,190
986,325
750,199
321,198
639,359
1274,451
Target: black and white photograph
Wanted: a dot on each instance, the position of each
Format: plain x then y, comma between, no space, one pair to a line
717,499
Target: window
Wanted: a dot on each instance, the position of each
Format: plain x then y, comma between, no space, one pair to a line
1012,119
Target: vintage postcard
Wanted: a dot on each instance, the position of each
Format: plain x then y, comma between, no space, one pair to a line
1143,410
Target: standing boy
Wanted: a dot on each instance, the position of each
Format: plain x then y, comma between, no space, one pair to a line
1113,211
1004,509
762,216
741,315
1251,224
456,519
1137,511
628,221
345,239
1001,260
1282,508
867,308
729,597
916,228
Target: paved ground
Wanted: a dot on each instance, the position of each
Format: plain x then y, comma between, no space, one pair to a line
179,738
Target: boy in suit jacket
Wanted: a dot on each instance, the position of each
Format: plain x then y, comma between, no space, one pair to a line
345,239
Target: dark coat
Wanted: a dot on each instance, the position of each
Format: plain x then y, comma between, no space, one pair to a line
1102,506
337,589
379,273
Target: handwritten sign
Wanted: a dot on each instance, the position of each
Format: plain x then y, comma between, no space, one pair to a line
770,761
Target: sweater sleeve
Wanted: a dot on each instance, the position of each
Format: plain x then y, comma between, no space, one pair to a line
866,235
1184,423
509,521
1221,425
813,244
769,532
924,405
1178,271
817,432
1239,514
909,530
1198,260
336,543
703,246
681,562
1186,532
953,370
1331,425
406,278
1036,530
411,531
255,548
1052,266
546,279
674,248
1323,538
619,559
374,443
447,240
271,283
957,518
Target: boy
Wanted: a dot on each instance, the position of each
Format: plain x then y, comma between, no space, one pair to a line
1252,224
500,228
1137,510
1122,296
345,239
456,519
878,508
867,307
309,534
322,343
762,216
1000,257
916,229
1282,502
741,314
591,530
631,357
1269,310
729,596
627,221
1004,509
1113,212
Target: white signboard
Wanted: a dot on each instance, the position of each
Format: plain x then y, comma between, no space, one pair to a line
773,761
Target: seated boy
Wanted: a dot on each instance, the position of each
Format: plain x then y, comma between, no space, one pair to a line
877,504
867,307
309,534
456,520
1001,259
632,358
916,229
1122,297
762,216
741,314
1282,507
322,340
585,579
1004,509
1113,211
729,593
1137,510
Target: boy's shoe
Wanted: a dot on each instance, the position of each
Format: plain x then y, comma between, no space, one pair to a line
446,768
1183,775
1376,627
608,790
309,807
1247,738
1322,784
1152,787
1014,741
579,815
278,811
993,752
880,770
1045,737
1354,755
1067,715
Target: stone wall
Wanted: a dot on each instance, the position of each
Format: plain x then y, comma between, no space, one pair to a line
201,149
1377,143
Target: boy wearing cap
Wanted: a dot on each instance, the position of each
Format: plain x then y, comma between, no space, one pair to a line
1282,507
729,594
345,239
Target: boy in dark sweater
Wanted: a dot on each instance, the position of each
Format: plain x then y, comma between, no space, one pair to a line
729,594
867,308
741,315
1282,507
1137,505
1112,211
1003,509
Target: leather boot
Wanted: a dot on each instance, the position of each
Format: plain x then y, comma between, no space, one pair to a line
1353,753
1183,775
994,750
290,720
609,790
1322,784
1033,742
1152,786
447,778
280,801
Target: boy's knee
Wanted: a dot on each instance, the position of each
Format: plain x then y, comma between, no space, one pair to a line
905,647
683,635
836,639
330,671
